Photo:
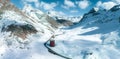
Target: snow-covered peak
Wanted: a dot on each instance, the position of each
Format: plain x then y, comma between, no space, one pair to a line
101,15
115,8
106,22
96,9
13,20
72,19
39,16
29,9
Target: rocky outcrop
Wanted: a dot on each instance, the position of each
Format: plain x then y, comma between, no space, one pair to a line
20,30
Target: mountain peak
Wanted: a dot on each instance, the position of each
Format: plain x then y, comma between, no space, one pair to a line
102,16
29,9
93,10
115,8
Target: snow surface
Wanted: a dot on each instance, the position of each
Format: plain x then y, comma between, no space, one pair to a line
35,50
77,46
13,47
97,37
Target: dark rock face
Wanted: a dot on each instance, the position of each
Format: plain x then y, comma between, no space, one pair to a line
61,21
64,22
20,30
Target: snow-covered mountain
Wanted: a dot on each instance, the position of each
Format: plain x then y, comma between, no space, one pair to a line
40,16
101,25
96,36
107,23
18,26
23,33
74,19
64,21
22,30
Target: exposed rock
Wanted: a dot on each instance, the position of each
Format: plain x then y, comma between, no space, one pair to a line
64,22
20,30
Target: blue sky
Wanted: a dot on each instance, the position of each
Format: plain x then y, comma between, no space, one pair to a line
66,7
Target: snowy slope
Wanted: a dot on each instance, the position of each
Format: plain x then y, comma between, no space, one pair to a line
40,16
107,22
97,36
13,46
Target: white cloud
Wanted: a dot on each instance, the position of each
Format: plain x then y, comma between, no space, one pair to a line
69,3
37,4
74,11
116,1
48,6
105,5
44,5
108,5
61,13
64,6
83,4
99,3
31,0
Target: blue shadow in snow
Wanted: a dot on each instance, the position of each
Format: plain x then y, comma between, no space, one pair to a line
102,29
